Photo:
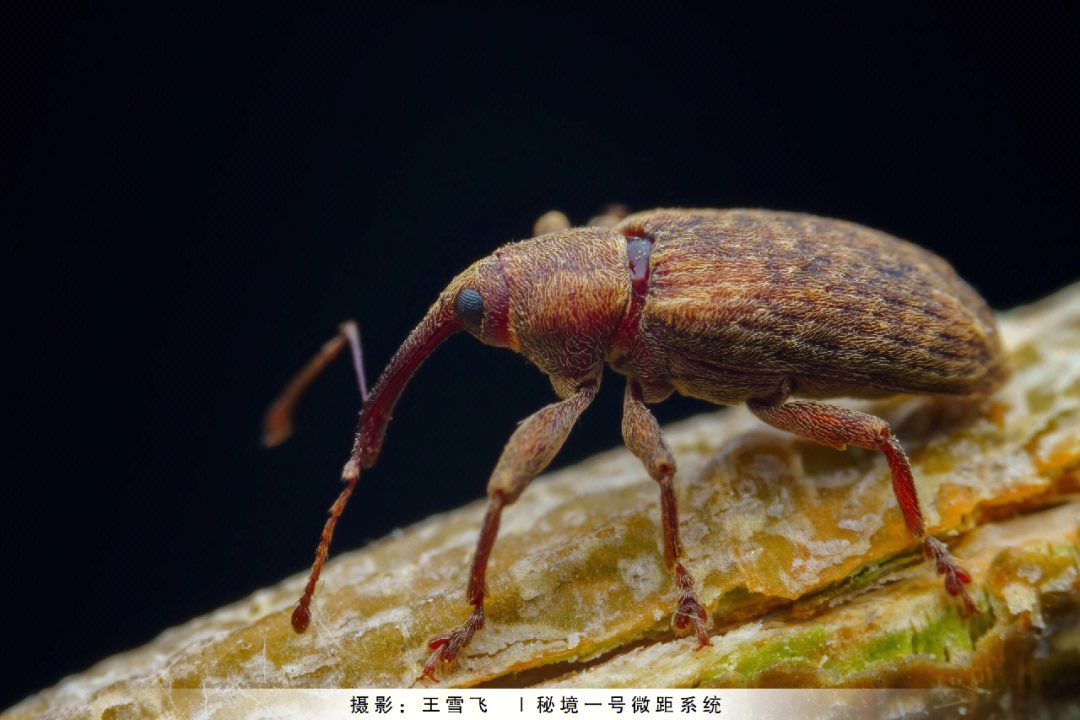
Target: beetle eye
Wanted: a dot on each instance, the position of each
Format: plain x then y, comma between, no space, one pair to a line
470,309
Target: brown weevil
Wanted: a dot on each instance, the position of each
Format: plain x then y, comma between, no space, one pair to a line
729,306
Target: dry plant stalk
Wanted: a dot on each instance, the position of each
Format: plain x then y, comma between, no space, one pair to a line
799,550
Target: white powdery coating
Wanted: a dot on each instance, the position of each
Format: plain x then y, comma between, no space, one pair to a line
1020,598
865,525
1030,573
745,517
840,478
769,467
531,579
822,555
643,575
1061,582
693,532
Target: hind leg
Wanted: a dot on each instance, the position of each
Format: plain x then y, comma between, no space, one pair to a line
642,435
839,427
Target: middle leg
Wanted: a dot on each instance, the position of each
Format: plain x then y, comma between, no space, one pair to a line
642,435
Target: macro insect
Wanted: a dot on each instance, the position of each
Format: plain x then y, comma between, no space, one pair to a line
729,306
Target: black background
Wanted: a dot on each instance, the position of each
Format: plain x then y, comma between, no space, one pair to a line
201,194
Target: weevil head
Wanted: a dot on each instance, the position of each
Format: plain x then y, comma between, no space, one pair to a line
556,299
479,299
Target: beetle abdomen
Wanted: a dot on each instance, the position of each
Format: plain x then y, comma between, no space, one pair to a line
740,299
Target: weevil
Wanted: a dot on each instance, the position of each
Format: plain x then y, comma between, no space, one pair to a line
729,306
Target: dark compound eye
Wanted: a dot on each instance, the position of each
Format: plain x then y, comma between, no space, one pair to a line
470,309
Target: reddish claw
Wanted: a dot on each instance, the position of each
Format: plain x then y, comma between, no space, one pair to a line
447,645
955,576
689,607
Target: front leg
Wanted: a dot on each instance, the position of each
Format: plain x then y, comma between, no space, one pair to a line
839,427
527,453
642,435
